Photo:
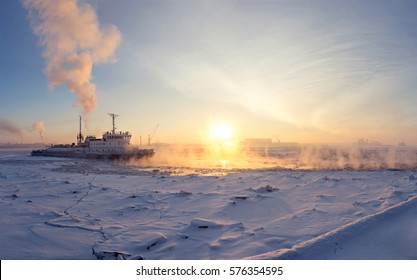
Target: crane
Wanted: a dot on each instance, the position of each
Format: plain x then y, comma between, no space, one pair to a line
150,136
276,137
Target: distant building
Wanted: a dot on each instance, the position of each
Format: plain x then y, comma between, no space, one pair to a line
364,141
256,142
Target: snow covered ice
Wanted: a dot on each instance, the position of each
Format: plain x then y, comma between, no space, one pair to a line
55,208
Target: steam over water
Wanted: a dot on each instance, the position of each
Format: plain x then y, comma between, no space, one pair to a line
205,161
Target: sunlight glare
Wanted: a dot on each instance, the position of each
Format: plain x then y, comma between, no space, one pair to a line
221,132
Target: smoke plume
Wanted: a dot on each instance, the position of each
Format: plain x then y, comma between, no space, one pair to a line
73,42
40,128
9,127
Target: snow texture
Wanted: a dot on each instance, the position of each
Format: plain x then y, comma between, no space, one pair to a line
55,208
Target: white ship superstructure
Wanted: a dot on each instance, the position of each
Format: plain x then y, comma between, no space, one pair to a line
113,145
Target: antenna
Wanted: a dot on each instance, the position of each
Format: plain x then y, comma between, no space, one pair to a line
113,116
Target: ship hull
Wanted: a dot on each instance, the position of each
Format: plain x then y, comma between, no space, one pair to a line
141,153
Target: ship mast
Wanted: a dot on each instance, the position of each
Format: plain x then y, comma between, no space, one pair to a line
80,136
113,116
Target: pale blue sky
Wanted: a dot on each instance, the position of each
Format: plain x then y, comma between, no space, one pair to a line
302,71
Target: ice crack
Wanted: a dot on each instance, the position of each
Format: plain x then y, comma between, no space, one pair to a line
90,184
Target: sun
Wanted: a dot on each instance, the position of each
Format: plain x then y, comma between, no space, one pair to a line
221,143
221,132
